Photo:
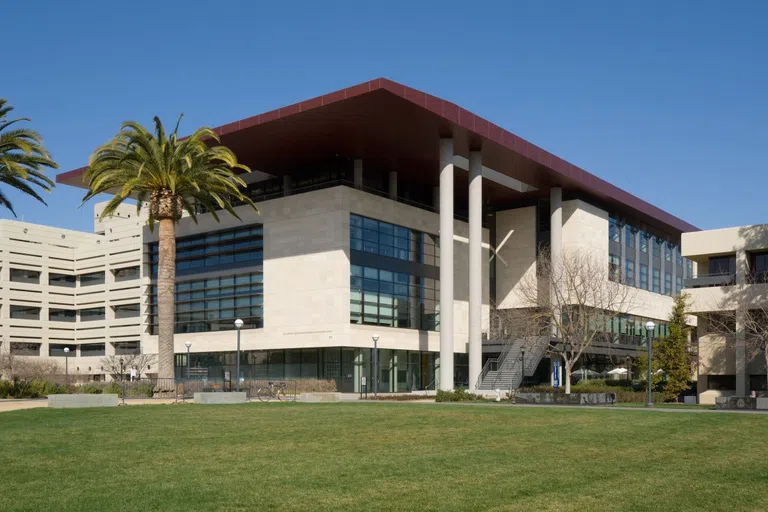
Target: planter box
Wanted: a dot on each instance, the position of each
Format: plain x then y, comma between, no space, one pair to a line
232,397
563,399
82,400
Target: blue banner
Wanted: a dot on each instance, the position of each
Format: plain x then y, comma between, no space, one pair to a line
556,369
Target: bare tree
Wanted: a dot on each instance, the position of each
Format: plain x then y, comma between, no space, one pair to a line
117,366
565,306
13,366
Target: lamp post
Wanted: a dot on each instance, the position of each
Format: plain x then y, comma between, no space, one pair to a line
238,325
121,369
375,379
188,345
522,361
649,326
66,365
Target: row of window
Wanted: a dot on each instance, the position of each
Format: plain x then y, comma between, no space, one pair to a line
385,239
70,315
393,299
206,252
213,304
122,348
19,275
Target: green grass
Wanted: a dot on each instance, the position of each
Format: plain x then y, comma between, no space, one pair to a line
380,457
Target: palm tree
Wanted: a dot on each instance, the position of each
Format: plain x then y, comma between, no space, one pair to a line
172,175
23,158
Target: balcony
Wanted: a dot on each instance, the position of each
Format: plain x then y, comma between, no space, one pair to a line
710,280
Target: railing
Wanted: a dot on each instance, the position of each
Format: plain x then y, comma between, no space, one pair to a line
194,385
709,280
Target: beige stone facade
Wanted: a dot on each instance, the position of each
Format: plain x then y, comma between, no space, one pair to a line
726,283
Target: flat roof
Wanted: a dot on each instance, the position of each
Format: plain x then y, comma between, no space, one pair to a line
391,126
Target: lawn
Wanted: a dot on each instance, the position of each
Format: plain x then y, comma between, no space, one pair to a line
380,457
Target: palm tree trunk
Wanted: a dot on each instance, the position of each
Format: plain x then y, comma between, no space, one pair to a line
166,298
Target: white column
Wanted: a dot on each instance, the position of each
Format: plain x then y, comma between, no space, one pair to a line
555,239
475,266
393,185
446,264
358,173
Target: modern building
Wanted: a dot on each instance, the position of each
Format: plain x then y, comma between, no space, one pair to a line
387,211
731,282
68,289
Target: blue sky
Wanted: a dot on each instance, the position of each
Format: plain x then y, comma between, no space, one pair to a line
664,99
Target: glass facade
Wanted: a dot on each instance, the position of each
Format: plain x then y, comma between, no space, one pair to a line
206,304
232,248
385,239
126,274
645,256
630,330
57,350
127,348
393,299
213,304
399,370
393,276
126,311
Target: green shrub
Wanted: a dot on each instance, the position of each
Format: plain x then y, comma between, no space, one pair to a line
113,388
397,398
5,388
459,395
624,394
89,389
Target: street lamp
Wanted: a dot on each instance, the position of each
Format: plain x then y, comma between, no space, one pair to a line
188,345
238,325
522,361
649,326
121,369
375,379
66,364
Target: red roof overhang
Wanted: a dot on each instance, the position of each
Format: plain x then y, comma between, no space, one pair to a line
393,127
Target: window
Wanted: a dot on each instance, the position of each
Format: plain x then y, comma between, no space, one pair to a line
25,349
127,348
721,382
92,278
657,248
25,312
614,267
679,283
656,281
62,315
667,283
689,266
92,350
126,274
629,236
377,237
213,304
62,280
643,276
19,275
758,267
722,265
233,248
381,297
57,350
91,314
644,241
126,311
614,229
630,272
667,252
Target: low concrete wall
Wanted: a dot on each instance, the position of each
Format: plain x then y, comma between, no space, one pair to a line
562,398
736,402
319,397
82,400
710,396
232,397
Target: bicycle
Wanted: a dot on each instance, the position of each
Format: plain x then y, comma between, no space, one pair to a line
273,390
